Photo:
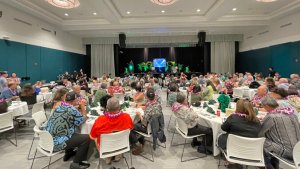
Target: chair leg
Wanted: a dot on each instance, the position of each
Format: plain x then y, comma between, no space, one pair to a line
15,144
130,159
183,149
99,163
126,162
192,158
30,148
219,159
151,153
33,158
169,123
49,162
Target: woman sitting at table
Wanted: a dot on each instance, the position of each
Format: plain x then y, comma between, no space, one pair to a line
139,96
270,83
182,111
280,95
218,86
28,95
143,105
95,80
243,123
192,85
209,91
15,79
196,94
100,92
83,85
37,88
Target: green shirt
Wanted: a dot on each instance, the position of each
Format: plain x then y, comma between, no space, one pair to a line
99,94
196,98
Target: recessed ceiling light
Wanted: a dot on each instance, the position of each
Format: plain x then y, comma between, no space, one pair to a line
234,9
128,12
198,10
163,11
95,13
67,14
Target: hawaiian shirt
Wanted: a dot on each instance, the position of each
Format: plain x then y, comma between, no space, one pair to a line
172,97
156,87
152,110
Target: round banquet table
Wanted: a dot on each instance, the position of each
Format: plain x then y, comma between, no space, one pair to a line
213,121
47,96
246,92
128,93
18,108
86,127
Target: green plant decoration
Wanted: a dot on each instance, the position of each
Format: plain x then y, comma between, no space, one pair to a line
167,66
126,70
224,101
140,67
173,64
180,66
187,69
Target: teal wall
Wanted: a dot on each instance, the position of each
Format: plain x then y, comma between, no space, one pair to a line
20,58
281,57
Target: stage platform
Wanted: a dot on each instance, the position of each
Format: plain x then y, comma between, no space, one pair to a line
165,74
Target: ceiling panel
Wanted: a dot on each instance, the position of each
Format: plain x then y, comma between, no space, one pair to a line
146,8
84,11
252,7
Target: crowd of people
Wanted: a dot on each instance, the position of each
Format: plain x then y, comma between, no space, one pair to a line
276,95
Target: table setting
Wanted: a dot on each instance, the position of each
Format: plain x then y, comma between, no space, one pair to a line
18,108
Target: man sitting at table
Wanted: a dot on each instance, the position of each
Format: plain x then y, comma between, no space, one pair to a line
229,85
156,86
283,83
143,105
101,92
112,121
67,83
172,94
153,109
241,79
62,126
282,131
77,90
295,80
10,93
117,88
249,80
182,111
126,83
262,91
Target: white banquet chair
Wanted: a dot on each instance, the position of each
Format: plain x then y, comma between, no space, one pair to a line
113,144
6,123
36,108
172,115
182,129
45,145
243,150
238,93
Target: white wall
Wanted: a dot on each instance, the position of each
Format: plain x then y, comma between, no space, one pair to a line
276,35
34,34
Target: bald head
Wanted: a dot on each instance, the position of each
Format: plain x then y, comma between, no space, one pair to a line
283,80
116,84
262,90
76,89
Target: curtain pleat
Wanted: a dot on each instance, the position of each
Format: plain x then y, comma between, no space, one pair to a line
102,60
222,57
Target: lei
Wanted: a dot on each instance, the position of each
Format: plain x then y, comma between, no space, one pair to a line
80,97
257,99
1,100
240,114
171,92
102,89
15,79
66,104
151,104
13,92
113,115
178,107
291,96
282,110
137,94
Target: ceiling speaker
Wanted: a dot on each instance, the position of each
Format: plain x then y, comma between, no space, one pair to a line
202,37
122,40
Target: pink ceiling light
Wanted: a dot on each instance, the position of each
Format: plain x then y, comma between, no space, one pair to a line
64,3
164,2
266,0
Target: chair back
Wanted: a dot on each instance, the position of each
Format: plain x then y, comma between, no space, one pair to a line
182,127
6,121
113,144
296,155
120,96
39,118
238,93
190,98
38,107
46,143
246,151
82,92
132,116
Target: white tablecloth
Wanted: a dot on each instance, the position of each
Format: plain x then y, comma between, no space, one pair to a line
184,91
128,93
246,92
18,109
47,96
86,127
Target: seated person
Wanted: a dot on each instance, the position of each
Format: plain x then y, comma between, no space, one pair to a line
101,92
67,83
15,79
230,85
3,106
248,81
111,87
83,86
28,95
280,95
37,88
172,94
77,90
184,112
143,105
209,91
156,86
67,76
295,80
270,83
243,123
283,83
192,85
65,138
262,92
218,86
10,93
241,79
103,102
126,83
139,96
59,85
196,95
281,129
153,109
95,80
259,78
277,76
104,79
117,88
112,121
293,98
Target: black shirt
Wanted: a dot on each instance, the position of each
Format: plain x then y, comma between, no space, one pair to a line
29,99
272,73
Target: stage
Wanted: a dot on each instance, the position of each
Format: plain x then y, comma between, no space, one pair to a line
165,74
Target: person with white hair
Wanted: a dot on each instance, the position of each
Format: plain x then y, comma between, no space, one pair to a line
281,129
117,88
241,79
283,83
262,91
249,80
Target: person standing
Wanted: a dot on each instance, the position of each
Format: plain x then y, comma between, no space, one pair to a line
75,75
3,81
81,72
271,72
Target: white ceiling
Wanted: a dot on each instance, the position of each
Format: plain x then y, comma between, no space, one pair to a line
146,18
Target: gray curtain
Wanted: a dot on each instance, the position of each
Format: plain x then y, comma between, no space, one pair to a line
102,60
223,57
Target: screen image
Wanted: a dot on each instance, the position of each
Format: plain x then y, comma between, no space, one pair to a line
159,62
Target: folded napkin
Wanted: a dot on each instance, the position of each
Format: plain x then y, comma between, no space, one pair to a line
87,109
205,105
95,104
211,102
184,88
210,110
256,111
94,113
9,103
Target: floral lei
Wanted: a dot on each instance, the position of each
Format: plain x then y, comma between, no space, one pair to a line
291,96
286,110
1,100
240,114
113,115
13,92
66,104
171,92
151,104
178,107
80,97
257,99
102,89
